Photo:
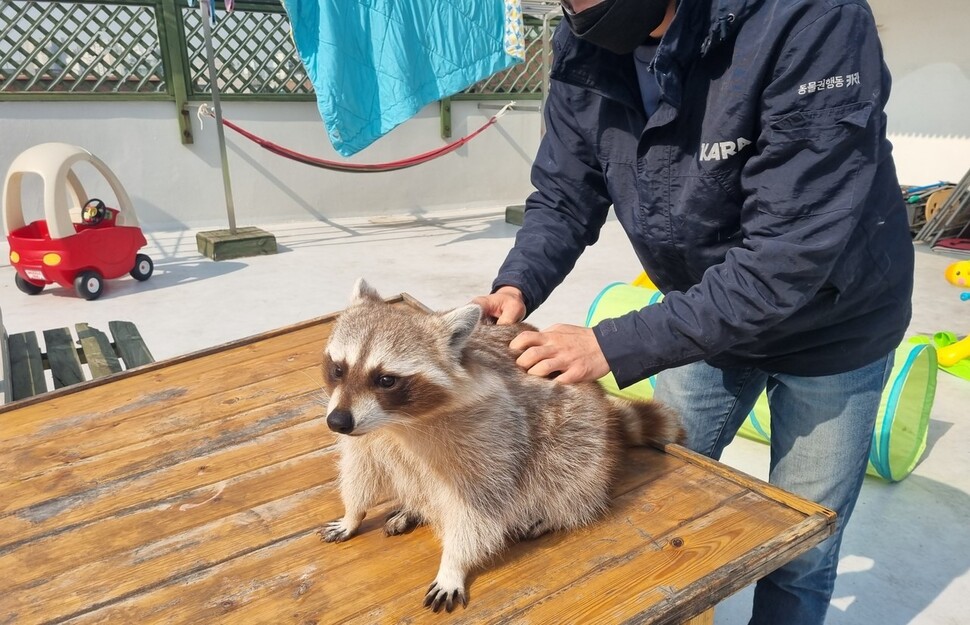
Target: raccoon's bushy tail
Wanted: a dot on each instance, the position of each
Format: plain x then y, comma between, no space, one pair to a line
647,421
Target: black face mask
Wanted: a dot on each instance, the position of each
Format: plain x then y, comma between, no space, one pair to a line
618,25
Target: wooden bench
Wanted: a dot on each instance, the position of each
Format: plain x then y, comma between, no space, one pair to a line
70,361
192,490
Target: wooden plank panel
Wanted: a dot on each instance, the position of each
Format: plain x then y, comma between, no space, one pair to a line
290,568
398,569
154,454
639,523
98,353
748,481
73,441
62,357
168,539
117,556
184,381
102,500
130,344
628,586
26,365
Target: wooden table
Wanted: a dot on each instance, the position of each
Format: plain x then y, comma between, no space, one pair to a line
191,491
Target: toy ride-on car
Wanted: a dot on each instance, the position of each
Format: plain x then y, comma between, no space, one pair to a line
82,254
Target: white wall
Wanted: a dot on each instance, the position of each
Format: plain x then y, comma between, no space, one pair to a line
175,186
927,48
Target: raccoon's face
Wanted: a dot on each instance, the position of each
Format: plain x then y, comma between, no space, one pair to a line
379,378
387,365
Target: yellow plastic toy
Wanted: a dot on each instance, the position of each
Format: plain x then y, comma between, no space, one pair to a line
957,274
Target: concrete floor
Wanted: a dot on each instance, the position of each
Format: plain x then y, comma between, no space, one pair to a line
906,553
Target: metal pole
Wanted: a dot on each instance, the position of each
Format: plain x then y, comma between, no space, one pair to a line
546,60
547,17
216,104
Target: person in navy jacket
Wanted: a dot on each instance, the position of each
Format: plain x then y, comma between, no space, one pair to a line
742,145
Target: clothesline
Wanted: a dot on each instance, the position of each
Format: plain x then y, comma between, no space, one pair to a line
206,111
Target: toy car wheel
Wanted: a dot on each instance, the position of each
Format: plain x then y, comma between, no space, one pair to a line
143,268
28,287
88,284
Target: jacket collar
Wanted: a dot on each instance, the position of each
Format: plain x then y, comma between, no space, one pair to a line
698,29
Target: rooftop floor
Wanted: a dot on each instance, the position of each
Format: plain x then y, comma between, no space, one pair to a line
906,554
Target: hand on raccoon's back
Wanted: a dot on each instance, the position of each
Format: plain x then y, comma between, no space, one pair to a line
568,353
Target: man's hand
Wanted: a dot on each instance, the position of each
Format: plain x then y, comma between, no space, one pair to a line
571,351
506,305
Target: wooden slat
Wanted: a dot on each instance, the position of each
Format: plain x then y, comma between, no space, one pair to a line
120,556
513,580
26,365
75,475
62,357
748,481
100,356
189,380
130,344
155,406
99,501
627,586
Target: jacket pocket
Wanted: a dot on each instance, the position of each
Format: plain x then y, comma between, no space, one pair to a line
811,162
821,126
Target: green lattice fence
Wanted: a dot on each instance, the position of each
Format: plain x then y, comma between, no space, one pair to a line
254,54
522,80
55,48
79,48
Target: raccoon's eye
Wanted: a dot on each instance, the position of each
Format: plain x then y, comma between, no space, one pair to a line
337,371
386,381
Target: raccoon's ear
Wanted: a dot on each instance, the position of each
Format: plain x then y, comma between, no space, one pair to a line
364,292
460,324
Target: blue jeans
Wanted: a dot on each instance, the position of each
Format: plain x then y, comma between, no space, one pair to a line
821,431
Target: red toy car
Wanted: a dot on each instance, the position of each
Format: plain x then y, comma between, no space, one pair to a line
103,245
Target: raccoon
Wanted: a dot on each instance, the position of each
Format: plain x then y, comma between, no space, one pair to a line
433,413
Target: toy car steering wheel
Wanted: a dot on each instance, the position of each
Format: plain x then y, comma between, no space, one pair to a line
93,212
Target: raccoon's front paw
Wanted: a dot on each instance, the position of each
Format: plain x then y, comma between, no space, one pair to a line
446,595
336,531
401,522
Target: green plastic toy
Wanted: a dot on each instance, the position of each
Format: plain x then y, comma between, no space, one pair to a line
899,437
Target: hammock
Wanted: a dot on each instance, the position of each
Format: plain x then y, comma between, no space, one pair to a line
355,168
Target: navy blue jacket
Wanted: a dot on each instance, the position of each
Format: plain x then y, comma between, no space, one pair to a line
761,197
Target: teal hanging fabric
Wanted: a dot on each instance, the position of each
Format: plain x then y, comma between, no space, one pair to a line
375,63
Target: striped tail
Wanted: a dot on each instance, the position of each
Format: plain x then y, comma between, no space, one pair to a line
647,421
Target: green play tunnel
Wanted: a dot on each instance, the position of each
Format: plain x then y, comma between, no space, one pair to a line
899,437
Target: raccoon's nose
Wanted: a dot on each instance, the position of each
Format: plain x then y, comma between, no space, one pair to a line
341,421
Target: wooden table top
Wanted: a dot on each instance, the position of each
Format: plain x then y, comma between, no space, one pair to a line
191,491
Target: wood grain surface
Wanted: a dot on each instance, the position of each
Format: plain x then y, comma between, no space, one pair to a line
191,491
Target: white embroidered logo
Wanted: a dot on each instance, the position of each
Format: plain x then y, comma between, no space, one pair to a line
832,82
721,150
